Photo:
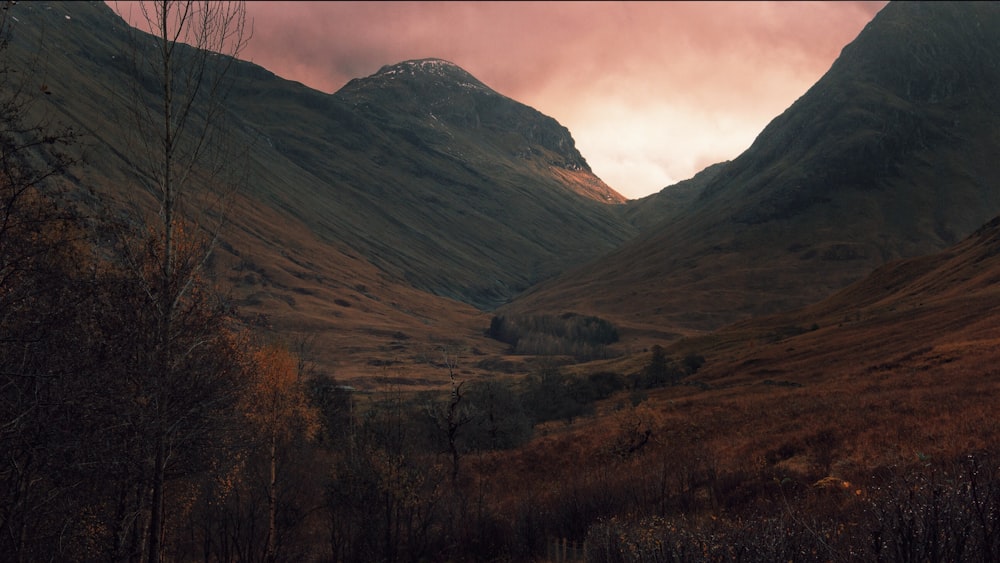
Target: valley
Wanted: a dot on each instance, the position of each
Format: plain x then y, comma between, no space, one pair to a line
408,322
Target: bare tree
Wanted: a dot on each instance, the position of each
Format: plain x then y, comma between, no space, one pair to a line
176,109
450,418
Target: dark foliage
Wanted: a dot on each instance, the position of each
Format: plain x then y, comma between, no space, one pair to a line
334,404
551,395
929,513
498,419
662,370
583,337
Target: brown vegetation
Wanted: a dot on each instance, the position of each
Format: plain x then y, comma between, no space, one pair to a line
141,420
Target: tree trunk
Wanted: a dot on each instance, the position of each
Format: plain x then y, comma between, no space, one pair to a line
166,281
272,500
156,505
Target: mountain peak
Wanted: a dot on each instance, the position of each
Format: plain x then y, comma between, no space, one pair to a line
435,100
430,65
425,66
430,69
416,80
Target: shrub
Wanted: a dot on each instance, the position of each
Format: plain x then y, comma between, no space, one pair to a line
659,372
548,395
498,421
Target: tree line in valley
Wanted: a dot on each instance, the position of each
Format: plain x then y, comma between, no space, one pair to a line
582,337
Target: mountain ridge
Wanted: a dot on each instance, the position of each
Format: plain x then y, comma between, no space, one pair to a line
444,69
450,96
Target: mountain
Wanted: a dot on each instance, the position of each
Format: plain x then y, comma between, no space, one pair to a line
458,190
892,153
381,218
456,103
388,217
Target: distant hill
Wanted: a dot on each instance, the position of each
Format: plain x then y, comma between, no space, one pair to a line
891,154
670,203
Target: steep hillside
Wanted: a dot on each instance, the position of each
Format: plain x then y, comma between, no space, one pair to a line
908,316
456,189
378,218
435,102
891,154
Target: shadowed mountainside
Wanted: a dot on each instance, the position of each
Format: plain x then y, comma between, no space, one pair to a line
387,208
431,175
439,180
889,155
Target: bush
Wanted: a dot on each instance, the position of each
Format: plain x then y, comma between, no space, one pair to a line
659,372
548,395
692,363
596,386
498,421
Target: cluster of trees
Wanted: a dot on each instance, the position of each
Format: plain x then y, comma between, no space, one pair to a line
411,477
569,334
131,406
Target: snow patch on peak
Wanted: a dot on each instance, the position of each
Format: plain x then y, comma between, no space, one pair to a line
424,65
433,64
432,67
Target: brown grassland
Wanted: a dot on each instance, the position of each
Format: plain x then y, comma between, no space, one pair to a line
860,427
813,415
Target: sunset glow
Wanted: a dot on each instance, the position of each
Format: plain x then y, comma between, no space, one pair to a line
652,92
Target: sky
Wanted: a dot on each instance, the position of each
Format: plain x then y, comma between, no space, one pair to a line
652,92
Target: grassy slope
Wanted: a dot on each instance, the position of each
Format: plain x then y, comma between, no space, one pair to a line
384,212
895,372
